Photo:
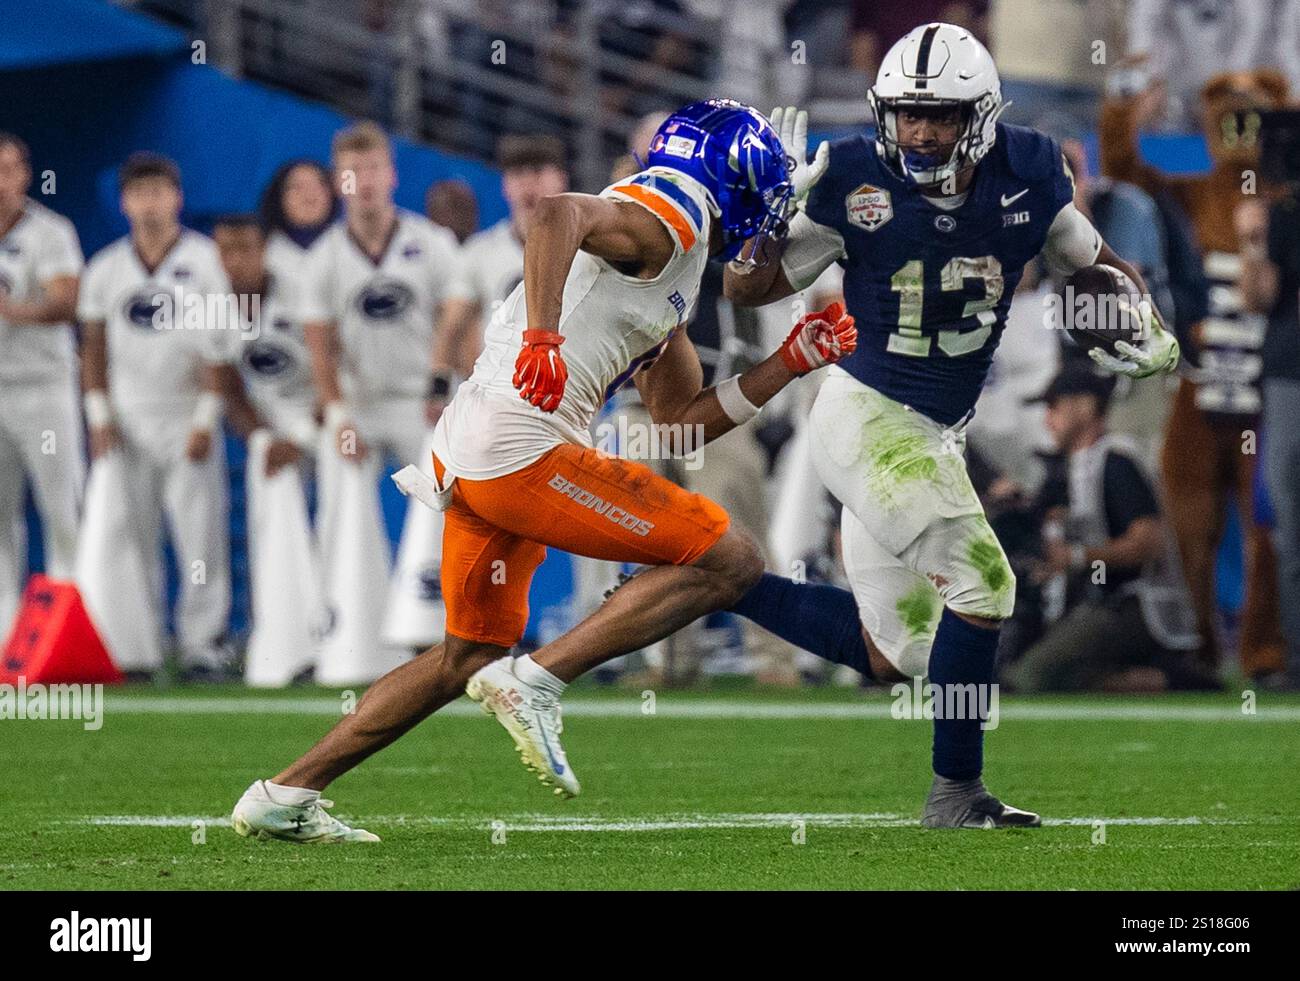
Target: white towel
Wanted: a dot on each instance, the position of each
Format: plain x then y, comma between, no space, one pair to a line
356,577
289,615
416,616
115,579
798,520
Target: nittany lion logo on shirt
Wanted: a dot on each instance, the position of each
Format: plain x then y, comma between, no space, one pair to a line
868,206
148,309
385,299
266,359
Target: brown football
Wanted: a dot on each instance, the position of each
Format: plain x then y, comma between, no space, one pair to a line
1099,307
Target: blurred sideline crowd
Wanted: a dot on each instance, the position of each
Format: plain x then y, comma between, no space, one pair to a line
1112,501
463,72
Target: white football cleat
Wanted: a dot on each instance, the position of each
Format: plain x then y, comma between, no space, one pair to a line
258,816
532,717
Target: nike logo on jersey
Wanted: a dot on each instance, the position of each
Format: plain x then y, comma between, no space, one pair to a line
1008,201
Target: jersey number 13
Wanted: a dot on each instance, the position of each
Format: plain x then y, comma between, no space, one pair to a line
909,283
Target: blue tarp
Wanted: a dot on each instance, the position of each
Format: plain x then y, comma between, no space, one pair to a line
37,33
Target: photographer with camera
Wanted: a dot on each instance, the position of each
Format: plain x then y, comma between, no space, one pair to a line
1270,284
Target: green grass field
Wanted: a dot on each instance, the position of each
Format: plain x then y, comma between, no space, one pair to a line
708,792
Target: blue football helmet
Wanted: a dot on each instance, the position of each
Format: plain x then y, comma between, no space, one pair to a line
735,154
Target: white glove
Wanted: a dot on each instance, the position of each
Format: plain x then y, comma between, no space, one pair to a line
791,126
1157,351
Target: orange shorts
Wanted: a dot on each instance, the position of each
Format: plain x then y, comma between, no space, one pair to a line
576,499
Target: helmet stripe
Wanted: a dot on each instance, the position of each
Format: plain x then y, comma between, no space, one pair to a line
923,56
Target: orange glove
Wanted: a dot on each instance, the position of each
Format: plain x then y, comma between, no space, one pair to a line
819,339
540,372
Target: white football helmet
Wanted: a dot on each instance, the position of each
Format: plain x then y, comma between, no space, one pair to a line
937,65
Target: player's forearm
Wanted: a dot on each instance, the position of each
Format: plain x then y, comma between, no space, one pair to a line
554,237
322,345
42,312
450,337
240,413
1138,545
57,304
758,386
756,285
94,358
1108,257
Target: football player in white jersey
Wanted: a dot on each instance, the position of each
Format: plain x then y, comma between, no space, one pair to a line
532,168
270,402
40,428
609,281
270,386
297,206
154,308
378,288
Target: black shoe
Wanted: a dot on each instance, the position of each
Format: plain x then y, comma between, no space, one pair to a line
967,804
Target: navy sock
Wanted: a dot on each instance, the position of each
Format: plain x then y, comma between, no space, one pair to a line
819,618
963,654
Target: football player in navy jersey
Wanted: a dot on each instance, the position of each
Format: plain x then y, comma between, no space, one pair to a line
933,220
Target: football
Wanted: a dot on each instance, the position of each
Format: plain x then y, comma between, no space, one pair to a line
1100,307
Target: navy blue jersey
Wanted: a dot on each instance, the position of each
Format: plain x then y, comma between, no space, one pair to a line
929,289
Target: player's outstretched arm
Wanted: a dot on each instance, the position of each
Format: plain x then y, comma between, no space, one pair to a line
625,235
756,284
758,278
672,388
785,267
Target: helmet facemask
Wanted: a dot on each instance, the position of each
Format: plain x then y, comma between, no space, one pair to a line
746,213
974,139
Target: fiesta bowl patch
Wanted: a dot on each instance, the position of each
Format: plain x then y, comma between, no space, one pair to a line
869,207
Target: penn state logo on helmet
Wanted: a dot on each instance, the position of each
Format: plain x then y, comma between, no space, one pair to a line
868,207
384,299
148,310
267,360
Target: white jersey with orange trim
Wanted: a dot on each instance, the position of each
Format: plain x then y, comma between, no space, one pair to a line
613,324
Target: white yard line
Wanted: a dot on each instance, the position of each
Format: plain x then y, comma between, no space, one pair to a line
666,708
670,822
